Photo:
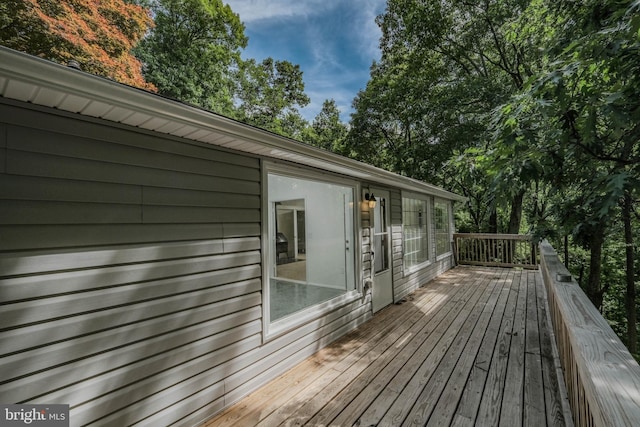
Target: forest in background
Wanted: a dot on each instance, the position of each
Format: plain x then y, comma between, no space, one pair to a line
529,108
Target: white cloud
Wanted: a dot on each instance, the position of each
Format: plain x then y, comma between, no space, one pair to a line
323,52
362,29
256,10
370,33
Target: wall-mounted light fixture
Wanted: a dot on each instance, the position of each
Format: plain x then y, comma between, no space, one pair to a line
371,199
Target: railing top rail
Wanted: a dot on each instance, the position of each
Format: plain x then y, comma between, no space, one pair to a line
607,372
492,236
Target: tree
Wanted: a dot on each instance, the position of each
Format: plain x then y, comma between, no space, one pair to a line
193,52
445,65
98,35
583,110
269,94
472,177
327,130
391,127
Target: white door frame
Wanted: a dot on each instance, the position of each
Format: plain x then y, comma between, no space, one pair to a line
380,233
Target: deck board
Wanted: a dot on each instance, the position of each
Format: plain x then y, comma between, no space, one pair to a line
512,400
491,399
425,403
534,408
424,363
472,347
467,406
379,394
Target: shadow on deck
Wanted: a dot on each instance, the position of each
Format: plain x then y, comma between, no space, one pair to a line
472,347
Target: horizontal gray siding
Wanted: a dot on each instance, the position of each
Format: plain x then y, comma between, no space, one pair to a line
130,268
130,274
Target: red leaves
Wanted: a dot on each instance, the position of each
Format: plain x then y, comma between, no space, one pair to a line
99,34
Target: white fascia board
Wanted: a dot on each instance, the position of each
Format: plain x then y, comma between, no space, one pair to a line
42,74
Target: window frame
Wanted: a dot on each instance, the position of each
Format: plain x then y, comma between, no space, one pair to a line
272,330
447,206
429,228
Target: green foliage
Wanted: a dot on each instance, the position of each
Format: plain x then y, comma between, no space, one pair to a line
193,55
472,176
327,130
445,67
192,52
581,111
270,93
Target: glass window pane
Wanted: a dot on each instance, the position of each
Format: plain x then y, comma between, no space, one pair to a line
415,230
381,237
311,231
441,220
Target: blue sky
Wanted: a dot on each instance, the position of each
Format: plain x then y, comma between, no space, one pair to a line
333,41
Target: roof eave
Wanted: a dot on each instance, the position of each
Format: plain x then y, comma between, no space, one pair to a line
22,76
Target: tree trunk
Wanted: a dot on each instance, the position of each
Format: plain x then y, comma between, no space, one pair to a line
516,213
493,220
630,297
593,290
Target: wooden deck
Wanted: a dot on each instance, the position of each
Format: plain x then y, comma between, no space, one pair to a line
472,347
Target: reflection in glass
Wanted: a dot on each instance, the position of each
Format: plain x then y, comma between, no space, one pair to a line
381,237
415,234
291,262
441,219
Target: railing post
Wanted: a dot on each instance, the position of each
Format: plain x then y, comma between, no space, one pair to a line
454,247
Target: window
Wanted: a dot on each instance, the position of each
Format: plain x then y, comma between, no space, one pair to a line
415,232
441,221
311,234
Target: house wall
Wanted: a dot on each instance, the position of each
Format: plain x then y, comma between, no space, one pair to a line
403,283
130,273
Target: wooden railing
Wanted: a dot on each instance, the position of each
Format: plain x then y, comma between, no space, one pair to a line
495,250
601,376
